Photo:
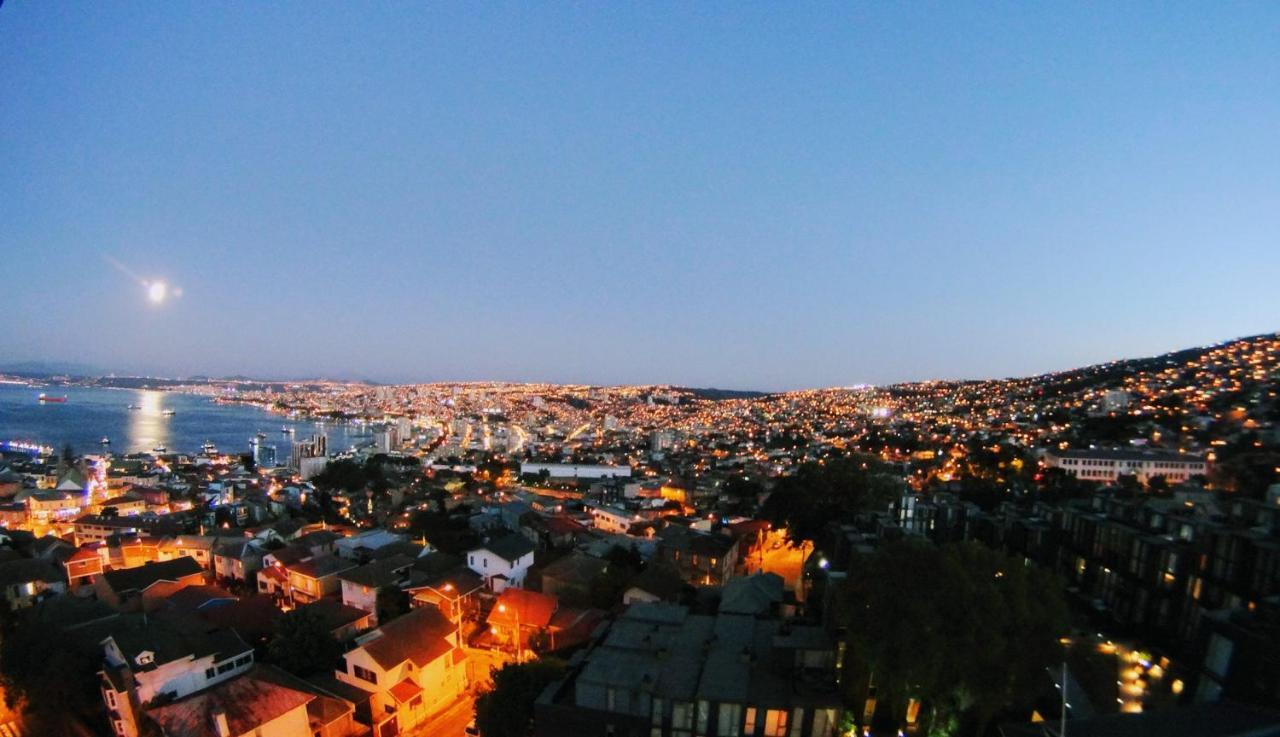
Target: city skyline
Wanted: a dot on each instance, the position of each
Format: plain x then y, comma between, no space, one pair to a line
765,199
83,371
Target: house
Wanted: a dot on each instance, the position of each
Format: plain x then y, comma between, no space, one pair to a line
520,618
263,702
361,547
96,528
343,621
237,559
253,618
144,587
273,578
317,577
613,519
559,531
131,551
571,576
453,592
169,657
360,585
658,582
319,542
52,506
503,561
24,580
702,558
760,594
197,599
83,566
199,547
127,505
412,666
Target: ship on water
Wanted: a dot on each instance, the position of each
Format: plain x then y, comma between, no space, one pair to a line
46,399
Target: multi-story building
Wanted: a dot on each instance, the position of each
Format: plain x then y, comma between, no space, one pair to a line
702,558
146,659
503,561
660,671
411,666
317,577
1108,465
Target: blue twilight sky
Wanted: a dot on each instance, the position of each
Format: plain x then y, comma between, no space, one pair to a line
749,195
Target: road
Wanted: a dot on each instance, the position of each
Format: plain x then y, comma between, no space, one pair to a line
451,722
779,557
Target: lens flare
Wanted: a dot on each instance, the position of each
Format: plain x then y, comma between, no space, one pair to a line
157,291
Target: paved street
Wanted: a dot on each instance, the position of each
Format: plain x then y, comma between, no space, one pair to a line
780,558
451,722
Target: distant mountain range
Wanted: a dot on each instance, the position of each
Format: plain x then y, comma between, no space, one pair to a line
1058,382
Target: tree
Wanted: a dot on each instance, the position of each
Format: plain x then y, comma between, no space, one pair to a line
606,589
742,491
392,601
507,709
51,675
302,643
966,630
829,491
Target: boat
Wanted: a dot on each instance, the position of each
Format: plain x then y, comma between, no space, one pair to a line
209,448
135,406
160,449
168,413
105,440
46,399
261,436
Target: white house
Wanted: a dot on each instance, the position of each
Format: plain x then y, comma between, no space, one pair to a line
136,671
502,562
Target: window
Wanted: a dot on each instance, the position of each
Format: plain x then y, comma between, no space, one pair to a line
209,672
704,714
729,721
244,660
824,721
1219,656
749,727
226,667
656,712
682,715
797,722
775,723
363,674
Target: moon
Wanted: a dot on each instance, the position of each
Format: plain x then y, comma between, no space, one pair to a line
157,291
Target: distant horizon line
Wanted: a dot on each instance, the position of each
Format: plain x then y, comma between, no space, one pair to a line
47,369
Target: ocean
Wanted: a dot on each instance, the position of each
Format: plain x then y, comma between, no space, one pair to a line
91,414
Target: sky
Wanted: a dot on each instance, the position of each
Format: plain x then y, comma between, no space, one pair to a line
739,195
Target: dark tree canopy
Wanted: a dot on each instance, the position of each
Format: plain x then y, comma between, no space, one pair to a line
507,710
392,601
53,676
302,643
829,491
967,630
